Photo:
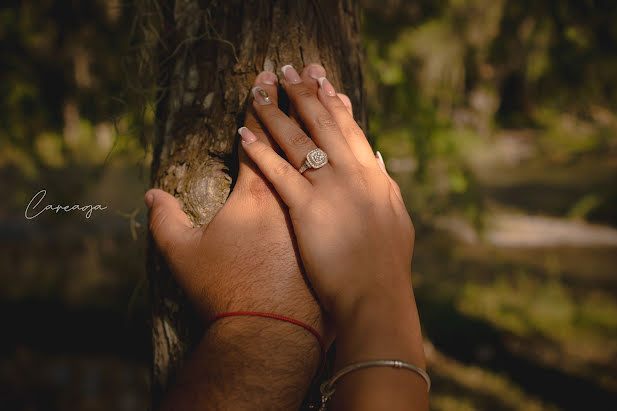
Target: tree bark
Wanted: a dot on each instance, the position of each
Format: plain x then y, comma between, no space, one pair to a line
209,55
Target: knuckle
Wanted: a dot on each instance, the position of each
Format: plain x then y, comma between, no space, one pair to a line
325,121
304,92
354,132
298,138
282,169
261,152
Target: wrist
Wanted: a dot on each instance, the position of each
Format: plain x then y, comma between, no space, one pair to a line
266,348
248,362
381,326
389,294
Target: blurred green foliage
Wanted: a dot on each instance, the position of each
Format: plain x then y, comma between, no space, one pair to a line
65,97
445,77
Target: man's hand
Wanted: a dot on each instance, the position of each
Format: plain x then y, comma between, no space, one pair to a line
244,260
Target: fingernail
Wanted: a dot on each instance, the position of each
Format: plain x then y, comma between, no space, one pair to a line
291,75
326,86
261,96
316,71
266,77
247,135
149,199
381,162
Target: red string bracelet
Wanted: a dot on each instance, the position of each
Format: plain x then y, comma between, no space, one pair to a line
307,327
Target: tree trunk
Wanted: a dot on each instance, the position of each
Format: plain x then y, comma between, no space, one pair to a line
209,55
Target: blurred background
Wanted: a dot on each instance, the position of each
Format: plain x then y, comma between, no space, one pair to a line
497,118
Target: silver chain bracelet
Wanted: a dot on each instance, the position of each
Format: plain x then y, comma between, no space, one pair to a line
327,387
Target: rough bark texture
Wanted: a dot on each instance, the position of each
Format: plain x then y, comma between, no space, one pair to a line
211,53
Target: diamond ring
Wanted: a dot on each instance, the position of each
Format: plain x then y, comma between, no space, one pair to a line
314,159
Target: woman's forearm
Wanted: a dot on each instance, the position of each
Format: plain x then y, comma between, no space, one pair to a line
381,327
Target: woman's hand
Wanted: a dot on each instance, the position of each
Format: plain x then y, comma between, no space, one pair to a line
354,235
353,231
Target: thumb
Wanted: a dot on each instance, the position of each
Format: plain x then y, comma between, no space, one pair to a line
169,225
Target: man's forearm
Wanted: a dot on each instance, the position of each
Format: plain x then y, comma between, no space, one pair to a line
247,363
